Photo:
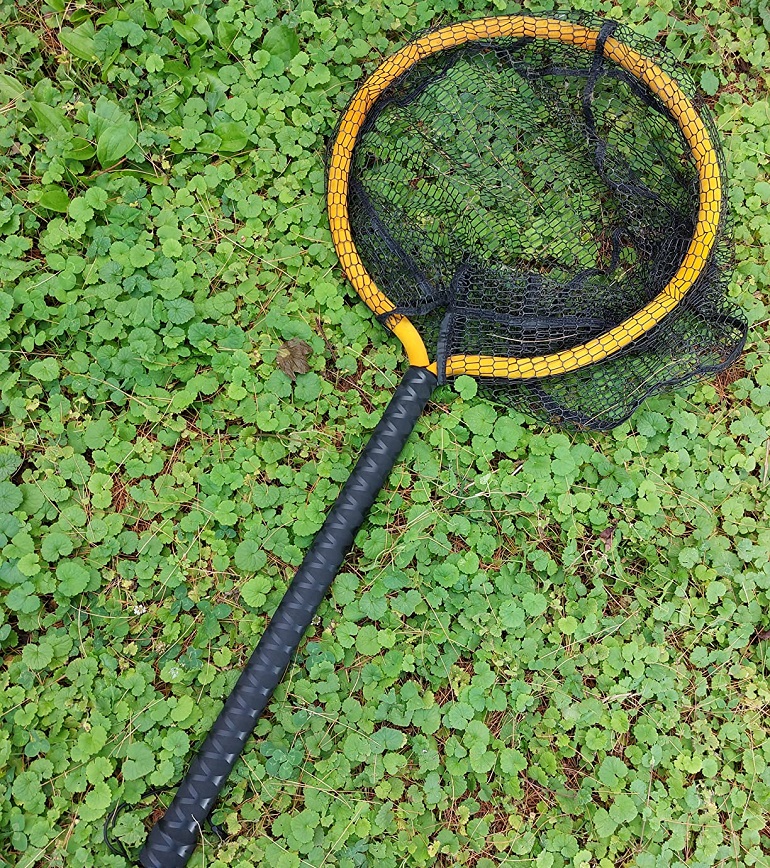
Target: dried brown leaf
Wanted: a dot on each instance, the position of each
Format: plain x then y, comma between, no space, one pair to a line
292,358
606,537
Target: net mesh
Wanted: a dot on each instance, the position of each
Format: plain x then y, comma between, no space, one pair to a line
520,197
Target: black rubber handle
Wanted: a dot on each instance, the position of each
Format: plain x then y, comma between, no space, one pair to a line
172,841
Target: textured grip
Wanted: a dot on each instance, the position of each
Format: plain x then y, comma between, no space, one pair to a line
172,841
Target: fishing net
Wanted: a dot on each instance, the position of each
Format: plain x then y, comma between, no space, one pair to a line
549,212
538,203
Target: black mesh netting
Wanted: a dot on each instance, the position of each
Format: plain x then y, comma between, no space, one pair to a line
520,197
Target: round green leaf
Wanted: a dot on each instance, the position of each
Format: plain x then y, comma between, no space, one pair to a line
249,556
73,578
56,545
45,370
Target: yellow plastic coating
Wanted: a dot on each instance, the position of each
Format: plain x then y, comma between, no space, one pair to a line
668,91
414,345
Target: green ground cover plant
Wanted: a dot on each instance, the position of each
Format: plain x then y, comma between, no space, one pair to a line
547,649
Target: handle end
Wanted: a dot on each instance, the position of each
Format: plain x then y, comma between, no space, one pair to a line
162,850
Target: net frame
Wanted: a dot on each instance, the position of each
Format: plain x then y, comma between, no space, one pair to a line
686,115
